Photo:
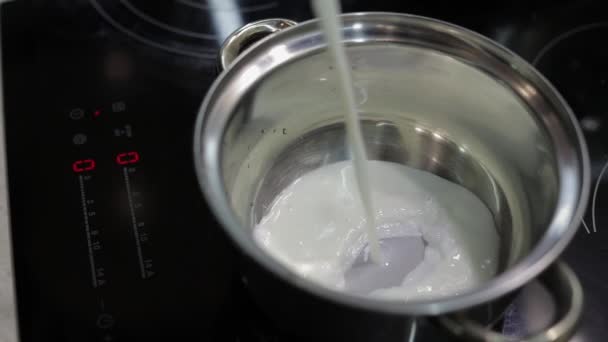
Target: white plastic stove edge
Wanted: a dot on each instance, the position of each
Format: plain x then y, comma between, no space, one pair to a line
8,317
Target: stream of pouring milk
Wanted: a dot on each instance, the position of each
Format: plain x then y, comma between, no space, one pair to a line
327,12
428,237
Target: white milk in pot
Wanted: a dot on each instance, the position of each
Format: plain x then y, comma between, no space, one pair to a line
379,228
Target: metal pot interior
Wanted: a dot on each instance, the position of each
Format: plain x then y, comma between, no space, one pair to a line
421,109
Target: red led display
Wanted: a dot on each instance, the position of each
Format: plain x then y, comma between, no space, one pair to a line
83,165
127,158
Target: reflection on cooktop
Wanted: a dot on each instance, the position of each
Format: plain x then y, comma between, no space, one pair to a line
187,27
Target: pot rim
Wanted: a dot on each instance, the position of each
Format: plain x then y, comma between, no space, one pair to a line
568,213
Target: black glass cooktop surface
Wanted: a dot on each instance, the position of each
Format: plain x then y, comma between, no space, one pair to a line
112,240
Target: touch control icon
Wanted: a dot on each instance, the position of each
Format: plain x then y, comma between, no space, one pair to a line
79,139
77,114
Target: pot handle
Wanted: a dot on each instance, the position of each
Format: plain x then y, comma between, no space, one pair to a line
561,281
239,40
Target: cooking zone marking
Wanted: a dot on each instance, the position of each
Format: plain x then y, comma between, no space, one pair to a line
205,53
593,201
230,7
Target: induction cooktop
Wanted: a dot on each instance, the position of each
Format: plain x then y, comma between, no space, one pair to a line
112,240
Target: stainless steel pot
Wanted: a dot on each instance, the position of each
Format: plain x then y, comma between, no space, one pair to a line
432,96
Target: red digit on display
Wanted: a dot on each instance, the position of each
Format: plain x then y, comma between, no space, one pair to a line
83,165
127,158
